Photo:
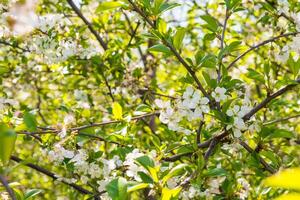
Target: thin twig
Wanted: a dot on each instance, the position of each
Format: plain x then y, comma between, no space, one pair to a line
246,117
261,160
112,122
89,25
227,15
50,174
8,189
175,52
198,137
270,98
50,130
259,45
14,46
281,120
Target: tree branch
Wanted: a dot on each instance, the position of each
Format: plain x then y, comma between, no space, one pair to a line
8,189
175,52
13,45
246,117
51,130
261,160
50,174
270,98
112,122
259,45
89,25
227,15
281,120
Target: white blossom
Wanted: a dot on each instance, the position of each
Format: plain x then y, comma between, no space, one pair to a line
219,94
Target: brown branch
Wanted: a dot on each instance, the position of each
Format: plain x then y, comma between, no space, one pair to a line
14,46
281,120
227,15
143,57
50,174
270,98
175,52
198,137
89,25
261,160
246,117
259,45
133,33
51,130
112,122
147,90
211,148
8,189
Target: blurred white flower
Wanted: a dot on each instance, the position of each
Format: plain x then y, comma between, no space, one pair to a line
219,94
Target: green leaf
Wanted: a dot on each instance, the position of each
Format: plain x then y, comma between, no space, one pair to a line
233,46
216,172
31,193
145,161
179,169
209,61
162,26
109,5
166,6
145,177
271,156
231,4
3,69
212,23
178,37
212,83
293,66
117,110
30,121
252,74
117,189
137,187
142,109
160,48
280,133
7,142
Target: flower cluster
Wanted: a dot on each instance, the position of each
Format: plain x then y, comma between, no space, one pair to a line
237,113
291,48
101,169
191,106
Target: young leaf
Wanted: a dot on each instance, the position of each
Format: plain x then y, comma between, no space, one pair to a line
160,48
117,110
30,121
31,193
212,23
117,189
7,143
137,187
179,169
178,38
252,74
145,161
109,5
168,194
288,179
162,26
145,177
209,61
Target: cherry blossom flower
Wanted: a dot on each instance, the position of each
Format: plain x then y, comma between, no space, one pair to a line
219,94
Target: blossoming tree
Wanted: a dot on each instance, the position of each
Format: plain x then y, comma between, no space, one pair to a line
149,99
